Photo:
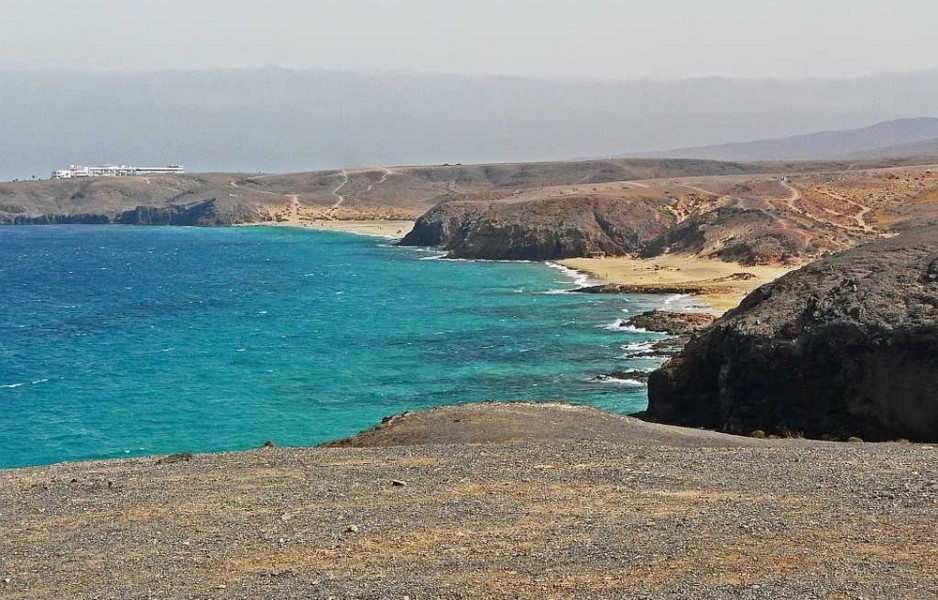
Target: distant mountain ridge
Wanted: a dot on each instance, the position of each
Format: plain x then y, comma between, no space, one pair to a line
901,137
924,148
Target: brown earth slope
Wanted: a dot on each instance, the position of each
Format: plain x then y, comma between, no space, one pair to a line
385,193
749,219
622,514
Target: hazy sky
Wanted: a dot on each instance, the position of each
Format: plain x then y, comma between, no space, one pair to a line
609,39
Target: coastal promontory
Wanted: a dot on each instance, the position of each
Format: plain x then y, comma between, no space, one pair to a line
846,346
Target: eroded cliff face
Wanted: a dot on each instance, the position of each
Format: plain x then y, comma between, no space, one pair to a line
539,230
847,345
205,213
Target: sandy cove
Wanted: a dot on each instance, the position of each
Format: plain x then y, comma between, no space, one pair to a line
391,229
379,228
714,282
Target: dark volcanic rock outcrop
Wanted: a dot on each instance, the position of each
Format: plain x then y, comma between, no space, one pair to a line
205,213
847,346
545,229
673,323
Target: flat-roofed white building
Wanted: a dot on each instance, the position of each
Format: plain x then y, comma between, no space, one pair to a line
115,171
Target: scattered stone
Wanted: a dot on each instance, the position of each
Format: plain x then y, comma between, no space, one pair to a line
269,444
398,483
351,529
855,440
758,434
175,458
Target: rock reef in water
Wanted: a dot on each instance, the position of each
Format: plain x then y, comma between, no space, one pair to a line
673,323
847,345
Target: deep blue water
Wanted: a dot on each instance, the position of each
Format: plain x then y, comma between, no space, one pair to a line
133,341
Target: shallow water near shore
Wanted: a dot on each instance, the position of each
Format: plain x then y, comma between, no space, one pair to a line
120,341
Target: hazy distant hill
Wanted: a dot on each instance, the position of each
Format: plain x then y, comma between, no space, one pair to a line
927,148
278,120
886,139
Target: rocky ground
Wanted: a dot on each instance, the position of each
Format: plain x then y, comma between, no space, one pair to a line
490,501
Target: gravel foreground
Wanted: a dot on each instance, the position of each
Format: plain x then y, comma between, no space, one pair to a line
484,501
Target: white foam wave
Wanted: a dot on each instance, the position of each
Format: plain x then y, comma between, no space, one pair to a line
10,386
685,303
618,381
435,257
659,358
614,326
579,278
622,325
674,298
638,346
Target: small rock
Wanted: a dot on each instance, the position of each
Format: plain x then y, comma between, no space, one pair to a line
175,458
398,483
351,529
269,444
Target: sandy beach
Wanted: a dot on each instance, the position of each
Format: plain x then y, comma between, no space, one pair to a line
391,229
714,282
378,228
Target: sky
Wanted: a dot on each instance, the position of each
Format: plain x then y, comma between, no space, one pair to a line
591,39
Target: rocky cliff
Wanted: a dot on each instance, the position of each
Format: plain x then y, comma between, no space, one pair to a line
847,345
539,229
206,213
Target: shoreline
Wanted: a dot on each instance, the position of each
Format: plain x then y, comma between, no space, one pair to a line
388,229
720,285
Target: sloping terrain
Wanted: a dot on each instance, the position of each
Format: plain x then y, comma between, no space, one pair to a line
382,193
866,142
750,219
925,149
619,513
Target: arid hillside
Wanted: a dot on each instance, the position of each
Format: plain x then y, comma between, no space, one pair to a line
750,213
769,218
380,193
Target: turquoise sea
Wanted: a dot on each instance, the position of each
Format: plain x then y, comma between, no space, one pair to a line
129,341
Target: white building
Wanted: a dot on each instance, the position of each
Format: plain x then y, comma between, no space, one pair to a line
115,171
